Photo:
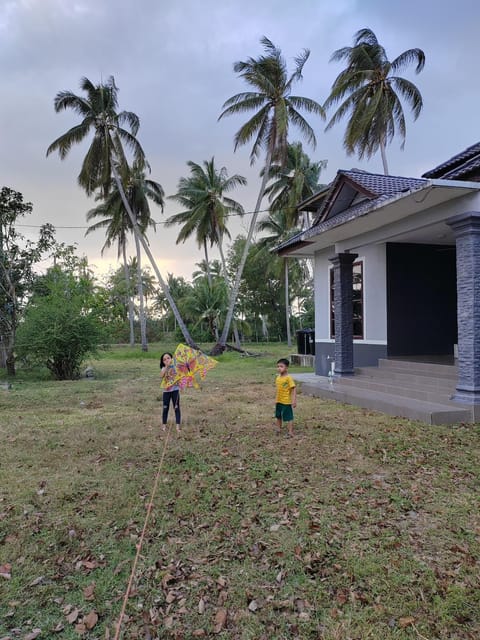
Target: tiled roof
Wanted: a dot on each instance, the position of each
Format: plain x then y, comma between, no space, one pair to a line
380,184
384,188
457,166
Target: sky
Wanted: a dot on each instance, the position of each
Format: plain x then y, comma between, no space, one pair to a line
173,63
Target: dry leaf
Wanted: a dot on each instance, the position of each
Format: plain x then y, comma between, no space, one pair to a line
6,571
168,622
275,527
170,597
90,620
89,591
252,605
201,606
80,628
406,622
34,634
60,627
73,616
199,633
37,581
220,620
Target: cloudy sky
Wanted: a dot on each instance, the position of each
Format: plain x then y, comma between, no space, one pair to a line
172,60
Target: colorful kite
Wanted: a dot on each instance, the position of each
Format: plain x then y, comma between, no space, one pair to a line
188,365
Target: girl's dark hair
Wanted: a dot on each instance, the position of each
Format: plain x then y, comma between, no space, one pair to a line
162,356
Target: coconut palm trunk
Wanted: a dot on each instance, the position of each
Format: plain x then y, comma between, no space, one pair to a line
141,297
236,335
287,304
220,346
138,234
126,272
383,152
207,263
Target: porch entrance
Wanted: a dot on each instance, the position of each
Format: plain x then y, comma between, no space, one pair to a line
421,300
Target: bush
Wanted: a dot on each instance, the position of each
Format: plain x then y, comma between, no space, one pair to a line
59,329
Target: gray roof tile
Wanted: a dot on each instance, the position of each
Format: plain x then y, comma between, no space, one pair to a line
457,166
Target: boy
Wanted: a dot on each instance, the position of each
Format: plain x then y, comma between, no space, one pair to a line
286,396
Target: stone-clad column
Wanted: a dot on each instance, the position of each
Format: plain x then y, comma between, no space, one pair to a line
467,232
343,301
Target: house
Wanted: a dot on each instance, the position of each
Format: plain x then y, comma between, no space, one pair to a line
397,286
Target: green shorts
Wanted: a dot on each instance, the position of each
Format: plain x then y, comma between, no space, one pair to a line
284,412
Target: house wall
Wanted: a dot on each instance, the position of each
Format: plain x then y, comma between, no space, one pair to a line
374,344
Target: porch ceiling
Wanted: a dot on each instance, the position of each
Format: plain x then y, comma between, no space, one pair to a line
406,205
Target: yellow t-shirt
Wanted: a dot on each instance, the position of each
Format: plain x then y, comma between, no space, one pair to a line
284,385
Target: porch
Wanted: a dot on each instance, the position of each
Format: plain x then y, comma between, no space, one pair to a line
418,388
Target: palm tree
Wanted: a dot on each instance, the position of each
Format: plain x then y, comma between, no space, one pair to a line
206,206
117,227
280,227
293,182
106,156
138,190
276,109
370,91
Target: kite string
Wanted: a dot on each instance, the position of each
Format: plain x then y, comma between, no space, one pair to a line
142,538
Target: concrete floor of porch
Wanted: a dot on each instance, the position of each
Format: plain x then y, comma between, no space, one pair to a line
418,388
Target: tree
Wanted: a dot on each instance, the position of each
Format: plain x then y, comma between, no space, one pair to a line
279,225
59,328
275,111
17,259
117,226
293,182
106,156
370,92
207,301
207,207
138,190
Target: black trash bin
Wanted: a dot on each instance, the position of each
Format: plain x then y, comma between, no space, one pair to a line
306,342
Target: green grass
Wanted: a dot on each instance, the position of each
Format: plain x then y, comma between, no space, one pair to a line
362,526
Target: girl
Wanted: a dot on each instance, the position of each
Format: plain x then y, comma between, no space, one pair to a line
171,394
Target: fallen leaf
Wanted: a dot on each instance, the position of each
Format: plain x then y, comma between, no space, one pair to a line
80,628
89,591
199,633
90,620
60,627
220,620
252,605
170,597
406,622
37,581
275,527
73,616
34,634
201,606
6,571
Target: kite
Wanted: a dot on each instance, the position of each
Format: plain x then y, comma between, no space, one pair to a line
188,365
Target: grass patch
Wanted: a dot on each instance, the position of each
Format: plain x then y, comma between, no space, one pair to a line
362,526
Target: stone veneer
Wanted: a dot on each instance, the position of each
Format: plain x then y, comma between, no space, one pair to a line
467,232
343,300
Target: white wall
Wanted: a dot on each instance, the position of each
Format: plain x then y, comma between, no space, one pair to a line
374,291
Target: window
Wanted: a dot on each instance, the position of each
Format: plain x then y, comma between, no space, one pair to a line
357,302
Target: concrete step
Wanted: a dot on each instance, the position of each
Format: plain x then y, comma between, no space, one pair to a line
433,369
394,405
425,392
417,380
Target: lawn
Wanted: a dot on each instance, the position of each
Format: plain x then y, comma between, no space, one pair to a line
361,526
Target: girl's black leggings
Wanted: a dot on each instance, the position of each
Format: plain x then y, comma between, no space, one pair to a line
174,397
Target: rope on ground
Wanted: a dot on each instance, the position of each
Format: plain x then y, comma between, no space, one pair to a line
142,537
